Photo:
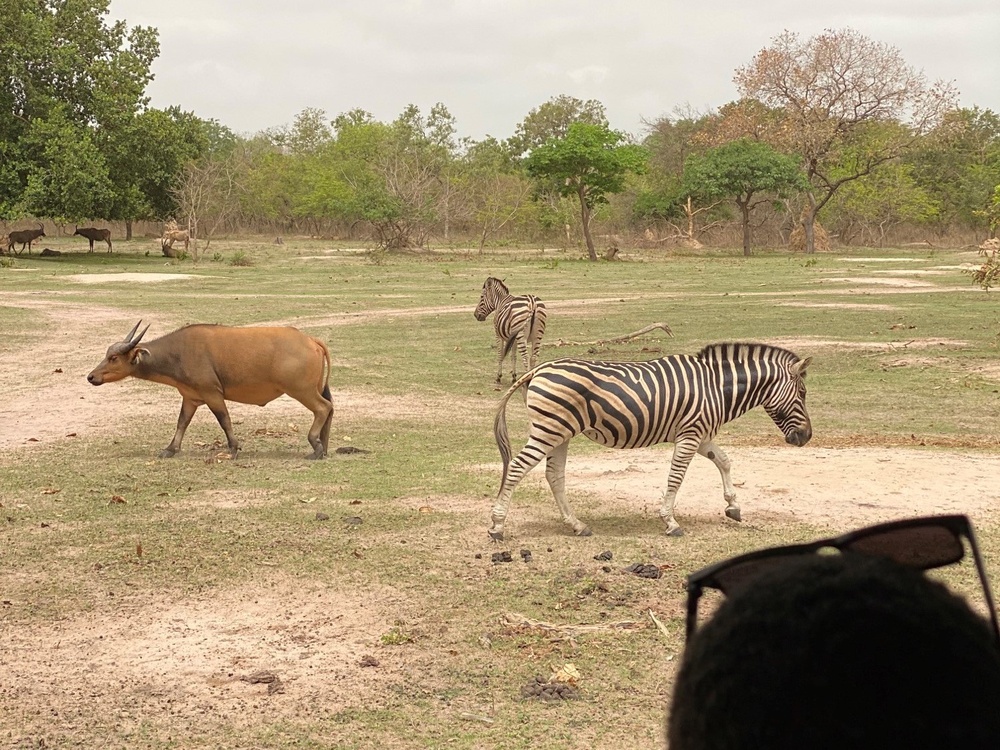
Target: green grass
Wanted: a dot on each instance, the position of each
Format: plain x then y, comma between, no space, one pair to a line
421,385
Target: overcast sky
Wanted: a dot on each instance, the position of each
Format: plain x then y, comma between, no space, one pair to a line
253,64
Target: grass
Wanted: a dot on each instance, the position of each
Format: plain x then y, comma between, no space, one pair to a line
421,402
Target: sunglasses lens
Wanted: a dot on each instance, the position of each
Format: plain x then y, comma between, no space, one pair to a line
734,577
921,547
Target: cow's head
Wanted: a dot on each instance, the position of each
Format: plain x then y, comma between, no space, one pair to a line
121,359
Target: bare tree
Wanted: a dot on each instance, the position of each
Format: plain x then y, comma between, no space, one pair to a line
209,193
828,93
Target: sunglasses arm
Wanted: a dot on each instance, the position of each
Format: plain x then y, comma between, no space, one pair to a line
691,620
981,569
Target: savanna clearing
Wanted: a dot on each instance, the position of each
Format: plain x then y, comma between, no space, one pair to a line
270,601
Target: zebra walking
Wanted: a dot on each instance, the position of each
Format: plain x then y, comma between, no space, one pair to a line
520,319
681,399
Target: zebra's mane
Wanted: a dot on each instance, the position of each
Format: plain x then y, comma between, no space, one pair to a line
497,282
742,350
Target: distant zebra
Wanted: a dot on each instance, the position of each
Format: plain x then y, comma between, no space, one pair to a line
520,319
681,399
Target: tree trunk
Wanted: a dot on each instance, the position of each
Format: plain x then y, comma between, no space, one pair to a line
128,230
585,218
809,224
745,212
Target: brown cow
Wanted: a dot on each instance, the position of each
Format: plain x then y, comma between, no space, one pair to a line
93,234
25,237
210,364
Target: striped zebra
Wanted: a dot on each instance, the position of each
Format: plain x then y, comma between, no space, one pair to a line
681,399
520,319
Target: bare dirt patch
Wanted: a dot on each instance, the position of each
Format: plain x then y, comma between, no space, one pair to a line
182,663
840,305
870,281
879,260
828,486
141,278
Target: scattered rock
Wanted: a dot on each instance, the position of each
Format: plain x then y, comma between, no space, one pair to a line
479,555
644,570
346,450
368,661
322,517
604,556
526,555
501,557
353,520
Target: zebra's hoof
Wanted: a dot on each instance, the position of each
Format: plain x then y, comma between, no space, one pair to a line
676,531
496,536
733,513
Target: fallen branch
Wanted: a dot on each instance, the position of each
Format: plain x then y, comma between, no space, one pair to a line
520,622
656,621
618,339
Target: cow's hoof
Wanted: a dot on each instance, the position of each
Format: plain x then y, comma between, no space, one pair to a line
676,531
496,536
733,513
316,456
584,532
167,453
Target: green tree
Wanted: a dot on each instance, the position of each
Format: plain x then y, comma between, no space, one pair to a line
553,119
872,206
742,170
67,176
959,166
63,64
590,162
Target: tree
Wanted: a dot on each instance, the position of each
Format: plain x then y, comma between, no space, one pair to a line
741,170
886,198
829,88
495,187
61,63
959,166
553,119
590,162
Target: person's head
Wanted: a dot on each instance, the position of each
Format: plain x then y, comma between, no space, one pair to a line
838,651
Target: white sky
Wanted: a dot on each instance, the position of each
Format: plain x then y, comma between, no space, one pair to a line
254,64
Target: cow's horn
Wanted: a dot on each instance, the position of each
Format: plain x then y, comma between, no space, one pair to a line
128,339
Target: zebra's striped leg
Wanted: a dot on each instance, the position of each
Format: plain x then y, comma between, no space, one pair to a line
500,345
555,473
522,352
716,455
684,451
529,457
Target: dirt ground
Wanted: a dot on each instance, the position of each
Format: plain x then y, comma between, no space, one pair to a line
187,659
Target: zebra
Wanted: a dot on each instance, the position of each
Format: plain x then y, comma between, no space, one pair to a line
680,398
521,319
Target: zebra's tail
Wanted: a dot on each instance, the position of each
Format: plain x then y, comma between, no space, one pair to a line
500,422
533,334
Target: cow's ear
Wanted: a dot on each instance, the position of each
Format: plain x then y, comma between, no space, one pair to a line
138,354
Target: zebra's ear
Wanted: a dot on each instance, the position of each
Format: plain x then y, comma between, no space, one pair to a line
799,368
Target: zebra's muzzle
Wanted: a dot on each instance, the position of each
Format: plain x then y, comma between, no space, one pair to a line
799,438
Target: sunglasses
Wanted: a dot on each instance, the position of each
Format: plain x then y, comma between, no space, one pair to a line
919,543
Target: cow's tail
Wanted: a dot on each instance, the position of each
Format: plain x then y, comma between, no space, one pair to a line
324,386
